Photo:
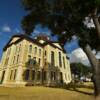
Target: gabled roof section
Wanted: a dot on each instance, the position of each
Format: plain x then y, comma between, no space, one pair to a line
19,37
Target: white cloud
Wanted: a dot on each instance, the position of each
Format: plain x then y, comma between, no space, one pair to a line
78,55
6,28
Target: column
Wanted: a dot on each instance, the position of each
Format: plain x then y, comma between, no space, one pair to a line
6,76
48,77
19,75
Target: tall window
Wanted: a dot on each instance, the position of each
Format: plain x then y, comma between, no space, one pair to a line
53,75
30,48
34,60
52,58
26,74
15,74
33,74
11,74
39,61
45,53
61,77
60,63
64,62
29,59
35,50
39,52
44,75
38,75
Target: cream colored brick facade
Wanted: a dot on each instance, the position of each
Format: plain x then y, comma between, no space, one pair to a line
27,61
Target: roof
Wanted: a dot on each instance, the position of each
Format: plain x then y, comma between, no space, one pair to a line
23,36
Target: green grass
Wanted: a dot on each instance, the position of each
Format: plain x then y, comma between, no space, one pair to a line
44,93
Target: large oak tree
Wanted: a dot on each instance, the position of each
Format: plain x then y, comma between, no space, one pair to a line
66,18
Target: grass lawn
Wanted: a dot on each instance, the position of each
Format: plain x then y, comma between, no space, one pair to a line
44,93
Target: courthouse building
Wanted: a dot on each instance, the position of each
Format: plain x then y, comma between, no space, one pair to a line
38,61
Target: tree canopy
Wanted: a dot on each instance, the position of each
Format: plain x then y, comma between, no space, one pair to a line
64,18
80,69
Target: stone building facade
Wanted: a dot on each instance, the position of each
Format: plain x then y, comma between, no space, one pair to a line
38,61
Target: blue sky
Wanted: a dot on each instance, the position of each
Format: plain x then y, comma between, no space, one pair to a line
11,13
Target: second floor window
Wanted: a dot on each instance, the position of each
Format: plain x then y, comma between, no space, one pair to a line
39,52
60,62
39,61
29,59
64,62
45,53
35,50
52,58
30,48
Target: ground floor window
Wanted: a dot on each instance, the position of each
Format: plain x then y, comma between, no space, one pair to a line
26,75
15,74
44,75
53,75
33,74
3,74
61,77
38,75
11,74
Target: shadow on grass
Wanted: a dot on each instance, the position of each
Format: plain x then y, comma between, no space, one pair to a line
80,91
79,88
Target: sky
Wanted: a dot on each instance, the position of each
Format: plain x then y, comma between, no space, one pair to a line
11,14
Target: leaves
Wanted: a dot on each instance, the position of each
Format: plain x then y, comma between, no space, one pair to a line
62,16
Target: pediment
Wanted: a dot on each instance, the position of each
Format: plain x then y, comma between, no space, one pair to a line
58,45
14,40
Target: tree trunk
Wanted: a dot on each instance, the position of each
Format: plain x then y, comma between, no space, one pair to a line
96,22
96,69
97,25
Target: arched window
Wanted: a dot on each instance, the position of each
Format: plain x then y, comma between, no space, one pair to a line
30,48
39,61
52,58
60,62
35,50
29,59
64,61
39,52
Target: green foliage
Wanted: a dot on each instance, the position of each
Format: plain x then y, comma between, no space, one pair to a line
64,17
80,69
